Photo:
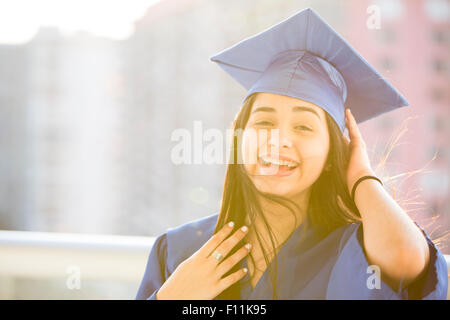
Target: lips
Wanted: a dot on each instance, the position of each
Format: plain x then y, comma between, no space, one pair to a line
271,166
280,160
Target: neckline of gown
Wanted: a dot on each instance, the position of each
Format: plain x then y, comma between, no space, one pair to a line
294,236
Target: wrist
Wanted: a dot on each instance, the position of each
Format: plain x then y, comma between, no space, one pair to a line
354,178
361,180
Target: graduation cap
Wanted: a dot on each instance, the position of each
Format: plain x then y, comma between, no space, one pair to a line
303,57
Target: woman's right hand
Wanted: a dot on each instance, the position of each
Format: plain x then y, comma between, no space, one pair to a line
200,276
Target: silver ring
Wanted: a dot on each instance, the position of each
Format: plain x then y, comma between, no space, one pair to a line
217,255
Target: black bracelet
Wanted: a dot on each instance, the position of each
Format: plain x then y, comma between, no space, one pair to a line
362,179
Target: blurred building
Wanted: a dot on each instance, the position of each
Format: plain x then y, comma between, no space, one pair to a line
59,133
15,189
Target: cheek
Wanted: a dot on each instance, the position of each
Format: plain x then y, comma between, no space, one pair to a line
314,154
254,142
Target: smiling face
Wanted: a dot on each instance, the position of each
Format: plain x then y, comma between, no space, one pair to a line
288,160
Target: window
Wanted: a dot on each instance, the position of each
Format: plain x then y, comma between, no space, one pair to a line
437,94
437,10
386,123
390,9
439,37
439,65
387,36
386,63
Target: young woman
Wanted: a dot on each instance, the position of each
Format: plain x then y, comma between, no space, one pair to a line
303,216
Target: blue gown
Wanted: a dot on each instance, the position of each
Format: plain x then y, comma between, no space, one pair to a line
334,267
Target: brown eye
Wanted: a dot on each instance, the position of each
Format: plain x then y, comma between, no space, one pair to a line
304,128
263,123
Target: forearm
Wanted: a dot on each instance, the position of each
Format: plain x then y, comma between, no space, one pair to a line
391,239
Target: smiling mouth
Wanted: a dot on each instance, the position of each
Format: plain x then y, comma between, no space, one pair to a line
283,165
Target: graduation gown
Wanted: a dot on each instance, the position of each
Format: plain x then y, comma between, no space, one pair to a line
334,267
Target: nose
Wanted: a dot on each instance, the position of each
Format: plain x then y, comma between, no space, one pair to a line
280,139
285,143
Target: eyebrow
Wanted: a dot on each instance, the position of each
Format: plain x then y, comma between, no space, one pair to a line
294,109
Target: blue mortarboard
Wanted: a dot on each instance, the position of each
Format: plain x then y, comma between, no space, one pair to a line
303,57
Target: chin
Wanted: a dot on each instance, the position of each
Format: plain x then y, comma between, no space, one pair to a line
279,189
287,185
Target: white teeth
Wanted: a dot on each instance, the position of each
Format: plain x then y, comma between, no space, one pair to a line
267,160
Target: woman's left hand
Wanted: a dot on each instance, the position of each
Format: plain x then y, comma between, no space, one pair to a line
359,163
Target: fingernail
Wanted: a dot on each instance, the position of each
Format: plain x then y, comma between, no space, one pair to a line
248,246
244,229
231,224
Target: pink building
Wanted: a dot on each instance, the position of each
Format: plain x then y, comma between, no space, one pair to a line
411,49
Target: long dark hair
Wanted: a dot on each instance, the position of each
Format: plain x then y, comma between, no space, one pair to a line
330,205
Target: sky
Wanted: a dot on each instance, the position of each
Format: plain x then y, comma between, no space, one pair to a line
20,19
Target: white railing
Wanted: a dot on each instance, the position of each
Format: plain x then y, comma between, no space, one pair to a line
49,256
41,255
